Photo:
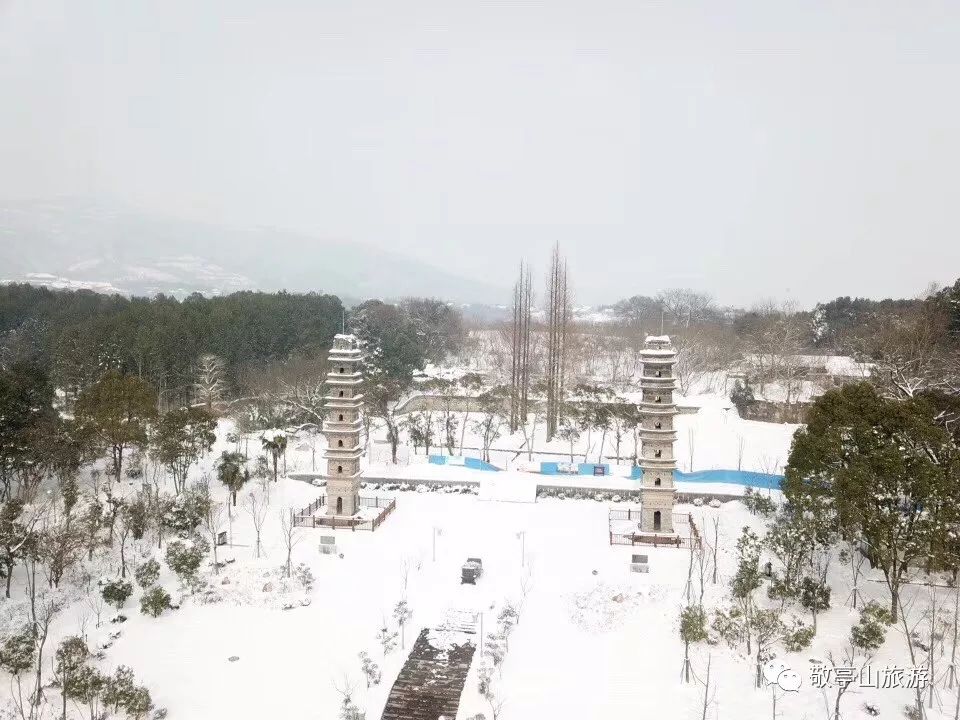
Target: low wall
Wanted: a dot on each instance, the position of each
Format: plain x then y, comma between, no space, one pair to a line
544,489
561,468
775,412
461,461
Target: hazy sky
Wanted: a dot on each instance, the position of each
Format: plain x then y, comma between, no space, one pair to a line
750,149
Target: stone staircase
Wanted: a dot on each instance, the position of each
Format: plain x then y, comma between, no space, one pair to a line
431,681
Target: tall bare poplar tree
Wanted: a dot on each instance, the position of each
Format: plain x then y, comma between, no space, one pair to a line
520,348
558,320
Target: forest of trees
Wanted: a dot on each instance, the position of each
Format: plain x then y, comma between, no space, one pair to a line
78,336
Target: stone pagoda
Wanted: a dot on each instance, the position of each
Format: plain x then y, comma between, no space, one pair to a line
657,436
342,425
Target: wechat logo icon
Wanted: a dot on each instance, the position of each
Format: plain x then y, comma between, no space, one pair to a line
777,673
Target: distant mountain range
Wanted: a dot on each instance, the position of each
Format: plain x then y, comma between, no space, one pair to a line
78,245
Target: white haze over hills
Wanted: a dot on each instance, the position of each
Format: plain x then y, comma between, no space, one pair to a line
73,244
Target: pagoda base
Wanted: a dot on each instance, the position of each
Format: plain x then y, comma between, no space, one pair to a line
343,496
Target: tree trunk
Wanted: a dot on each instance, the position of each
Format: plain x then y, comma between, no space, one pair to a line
895,599
118,461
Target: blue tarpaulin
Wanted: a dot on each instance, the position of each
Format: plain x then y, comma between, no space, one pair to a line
467,462
732,477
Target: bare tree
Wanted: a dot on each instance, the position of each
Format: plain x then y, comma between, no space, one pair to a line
210,384
47,609
95,602
716,545
910,352
520,348
291,536
774,335
558,312
213,521
856,570
303,398
257,508
955,624
708,699
488,426
348,709
685,307
911,634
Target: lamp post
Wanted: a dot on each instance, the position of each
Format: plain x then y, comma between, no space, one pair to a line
436,531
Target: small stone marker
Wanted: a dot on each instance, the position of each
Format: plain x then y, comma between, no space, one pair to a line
639,568
222,538
328,545
639,559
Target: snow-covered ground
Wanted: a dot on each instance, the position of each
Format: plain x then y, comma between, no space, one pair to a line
587,645
594,639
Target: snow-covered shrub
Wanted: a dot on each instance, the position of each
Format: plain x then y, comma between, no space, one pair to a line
148,573
799,638
742,396
387,640
715,503
187,510
507,619
304,576
370,670
116,592
121,693
871,631
134,469
349,711
494,648
484,678
154,601
184,558
698,502
402,613
758,503
16,652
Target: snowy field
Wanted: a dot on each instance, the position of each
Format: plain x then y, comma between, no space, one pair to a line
593,639
587,645
714,437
